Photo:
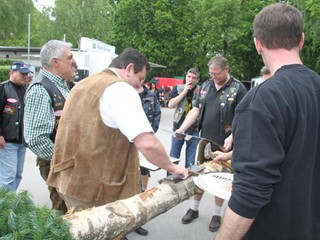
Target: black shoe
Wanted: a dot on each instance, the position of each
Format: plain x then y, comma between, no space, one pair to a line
142,231
215,223
190,215
125,238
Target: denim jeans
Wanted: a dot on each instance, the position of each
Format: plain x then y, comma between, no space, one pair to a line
11,165
191,148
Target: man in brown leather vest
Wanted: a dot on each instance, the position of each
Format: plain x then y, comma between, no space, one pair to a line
102,127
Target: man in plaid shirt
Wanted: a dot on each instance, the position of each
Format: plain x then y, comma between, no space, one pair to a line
44,102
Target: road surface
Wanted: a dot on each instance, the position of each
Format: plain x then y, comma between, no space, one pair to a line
166,226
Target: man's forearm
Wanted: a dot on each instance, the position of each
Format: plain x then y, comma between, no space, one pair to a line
233,227
176,100
189,120
154,152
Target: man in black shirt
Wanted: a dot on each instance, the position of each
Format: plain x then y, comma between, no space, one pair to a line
276,131
12,151
215,106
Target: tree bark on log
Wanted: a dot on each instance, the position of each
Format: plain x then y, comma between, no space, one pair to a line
115,220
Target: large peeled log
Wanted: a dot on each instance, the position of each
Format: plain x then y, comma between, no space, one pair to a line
115,220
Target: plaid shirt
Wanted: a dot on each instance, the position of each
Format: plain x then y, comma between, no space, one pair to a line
39,116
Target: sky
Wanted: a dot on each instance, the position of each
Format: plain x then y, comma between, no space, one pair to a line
43,3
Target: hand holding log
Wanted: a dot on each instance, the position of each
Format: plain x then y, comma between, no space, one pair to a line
208,154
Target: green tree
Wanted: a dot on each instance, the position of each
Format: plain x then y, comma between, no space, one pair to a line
165,31
83,18
176,33
228,31
311,50
14,22
310,53
42,29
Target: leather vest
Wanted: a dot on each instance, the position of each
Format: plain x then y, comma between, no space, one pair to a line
149,105
228,96
12,114
180,109
56,97
92,162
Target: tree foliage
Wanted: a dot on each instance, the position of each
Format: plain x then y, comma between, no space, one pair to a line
166,31
176,33
14,21
83,18
183,34
311,51
227,30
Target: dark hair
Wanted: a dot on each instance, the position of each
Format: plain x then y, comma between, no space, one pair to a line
218,61
278,25
194,71
130,55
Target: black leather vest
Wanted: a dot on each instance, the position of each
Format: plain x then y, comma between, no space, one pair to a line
225,108
12,114
57,99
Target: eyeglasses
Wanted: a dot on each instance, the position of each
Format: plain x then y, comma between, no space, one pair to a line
215,74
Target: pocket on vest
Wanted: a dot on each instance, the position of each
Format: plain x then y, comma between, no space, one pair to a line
112,191
63,165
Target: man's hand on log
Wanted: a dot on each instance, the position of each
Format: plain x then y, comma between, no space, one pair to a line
181,171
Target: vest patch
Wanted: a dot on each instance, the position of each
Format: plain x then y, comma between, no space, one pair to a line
203,93
58,104
9,109
12,100
58,113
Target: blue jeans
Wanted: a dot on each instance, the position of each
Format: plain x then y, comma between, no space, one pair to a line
11,165
191,148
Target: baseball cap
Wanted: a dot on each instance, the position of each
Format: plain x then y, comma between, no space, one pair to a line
20,66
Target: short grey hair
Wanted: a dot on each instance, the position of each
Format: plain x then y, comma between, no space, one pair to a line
218,61
52,49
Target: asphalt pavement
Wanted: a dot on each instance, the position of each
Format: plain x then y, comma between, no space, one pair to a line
166,226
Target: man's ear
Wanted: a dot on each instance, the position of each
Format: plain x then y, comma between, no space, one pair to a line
258,45
54,62
301,42
130,67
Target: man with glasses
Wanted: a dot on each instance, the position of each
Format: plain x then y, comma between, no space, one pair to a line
12,151
44,102
215,109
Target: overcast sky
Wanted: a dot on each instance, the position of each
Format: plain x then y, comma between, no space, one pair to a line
43,3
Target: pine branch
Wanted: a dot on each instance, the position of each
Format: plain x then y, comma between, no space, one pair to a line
21,219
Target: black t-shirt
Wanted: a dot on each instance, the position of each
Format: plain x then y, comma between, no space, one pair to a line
276,156
211,118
